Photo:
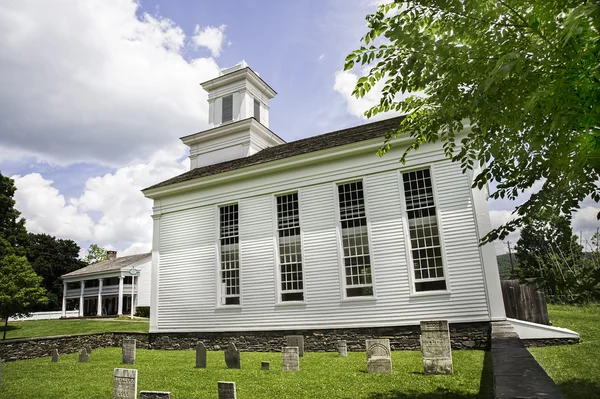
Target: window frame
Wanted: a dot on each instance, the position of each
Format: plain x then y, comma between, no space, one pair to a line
219,304
256,101
406,227
223,108
277,268
340,243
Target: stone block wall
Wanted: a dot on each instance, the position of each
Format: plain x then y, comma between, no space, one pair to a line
462,335
29,348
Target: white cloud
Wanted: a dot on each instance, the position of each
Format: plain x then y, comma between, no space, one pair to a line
94,82
345,81
210,37
125,221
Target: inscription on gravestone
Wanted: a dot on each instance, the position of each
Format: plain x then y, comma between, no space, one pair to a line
379,356
83,356
125,383
226,390
342,348
297,341
55,356
88,349
290,360
435,347
265,366
201,356
128,350
232,357
155,395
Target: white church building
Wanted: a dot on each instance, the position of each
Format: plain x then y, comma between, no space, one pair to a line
318,236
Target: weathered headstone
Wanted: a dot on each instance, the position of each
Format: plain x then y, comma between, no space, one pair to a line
88,349
226,390
155,395
125,383
265,366
201,356
55,356
290,359
297,341
342,348
1,365
128,350
232,357
379,358
83,356
435,347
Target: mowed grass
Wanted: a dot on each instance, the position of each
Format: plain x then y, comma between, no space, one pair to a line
574,368
49,328
322,375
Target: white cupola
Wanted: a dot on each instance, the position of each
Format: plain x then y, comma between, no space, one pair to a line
238,118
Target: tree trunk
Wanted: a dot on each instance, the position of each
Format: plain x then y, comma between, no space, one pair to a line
5,328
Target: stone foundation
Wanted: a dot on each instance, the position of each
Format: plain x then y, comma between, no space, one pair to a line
29,348
462,335
535,343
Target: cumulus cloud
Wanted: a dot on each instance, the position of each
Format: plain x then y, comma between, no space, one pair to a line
210,37
124,220
95,81
345,81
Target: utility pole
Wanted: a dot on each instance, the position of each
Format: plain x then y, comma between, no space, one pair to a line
512,269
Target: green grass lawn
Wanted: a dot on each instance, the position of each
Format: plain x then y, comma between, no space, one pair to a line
322,375
574,368
48,328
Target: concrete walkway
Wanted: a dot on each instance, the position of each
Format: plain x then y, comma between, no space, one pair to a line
516,372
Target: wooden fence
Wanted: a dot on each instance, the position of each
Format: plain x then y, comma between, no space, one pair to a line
524,302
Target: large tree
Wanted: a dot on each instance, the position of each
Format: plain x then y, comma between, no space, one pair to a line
51,258
12,225
20,290
524,76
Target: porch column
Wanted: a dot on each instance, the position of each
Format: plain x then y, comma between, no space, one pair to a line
81,298
99,313
64,302
120,306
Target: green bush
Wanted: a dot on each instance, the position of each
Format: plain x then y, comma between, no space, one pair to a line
142,311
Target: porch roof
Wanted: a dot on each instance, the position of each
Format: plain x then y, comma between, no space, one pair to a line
108,265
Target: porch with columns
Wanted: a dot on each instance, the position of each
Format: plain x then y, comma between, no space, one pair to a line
101,294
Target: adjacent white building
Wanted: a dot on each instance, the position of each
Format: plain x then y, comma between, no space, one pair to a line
320,233
107,288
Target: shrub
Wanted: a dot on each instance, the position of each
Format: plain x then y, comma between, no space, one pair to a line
142,311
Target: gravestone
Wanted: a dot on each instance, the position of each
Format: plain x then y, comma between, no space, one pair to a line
342,348
297,341
1,365
125,383
83,356
155,395
265,366
435,347
379,356
128,350
290,359
226,390
200,356
232,357
55,356
88,349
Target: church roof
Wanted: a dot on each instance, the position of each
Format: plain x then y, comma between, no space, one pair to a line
108,265
311,144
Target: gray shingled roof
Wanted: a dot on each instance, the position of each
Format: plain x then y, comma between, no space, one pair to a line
109,265
304,146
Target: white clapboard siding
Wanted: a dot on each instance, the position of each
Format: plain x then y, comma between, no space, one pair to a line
188,262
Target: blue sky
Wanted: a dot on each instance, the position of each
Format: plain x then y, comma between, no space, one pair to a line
95,95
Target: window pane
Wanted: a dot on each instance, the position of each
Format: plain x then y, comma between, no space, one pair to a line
423,230
257,109
230,255
227,110
355,239
290,248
